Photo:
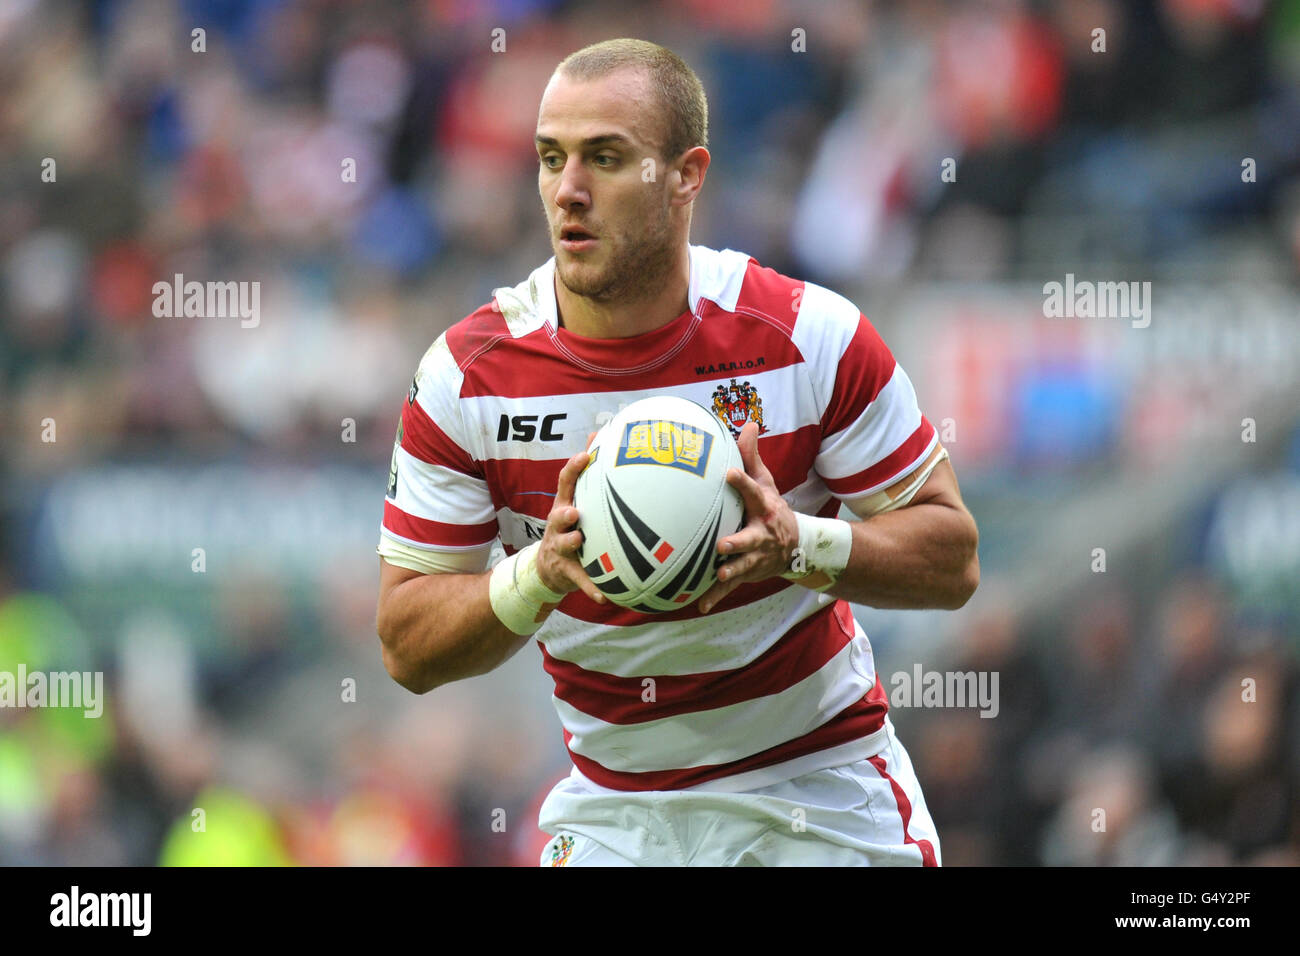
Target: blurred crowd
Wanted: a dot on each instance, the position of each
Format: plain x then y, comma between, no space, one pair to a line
217,139
1139,728
228,164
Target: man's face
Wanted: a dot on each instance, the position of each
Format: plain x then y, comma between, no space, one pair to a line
610,220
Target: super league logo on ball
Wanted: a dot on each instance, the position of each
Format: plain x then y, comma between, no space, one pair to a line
665,443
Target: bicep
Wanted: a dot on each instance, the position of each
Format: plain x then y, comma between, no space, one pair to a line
917,485
398,564
392,576
940,488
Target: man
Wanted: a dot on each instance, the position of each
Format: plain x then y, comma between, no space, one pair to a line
766,740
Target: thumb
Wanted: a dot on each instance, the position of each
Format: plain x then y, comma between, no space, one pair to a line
748,442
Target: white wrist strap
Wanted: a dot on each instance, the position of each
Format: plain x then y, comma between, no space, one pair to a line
823,552
518,594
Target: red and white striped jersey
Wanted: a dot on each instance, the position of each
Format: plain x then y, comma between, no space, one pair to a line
777,680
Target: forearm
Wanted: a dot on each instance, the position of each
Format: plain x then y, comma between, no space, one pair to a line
922,556
439,628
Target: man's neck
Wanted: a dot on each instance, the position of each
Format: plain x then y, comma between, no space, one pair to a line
625,318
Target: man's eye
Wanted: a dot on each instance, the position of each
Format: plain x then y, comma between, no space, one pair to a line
550,161
604,159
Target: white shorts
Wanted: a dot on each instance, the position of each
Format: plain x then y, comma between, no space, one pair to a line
867,813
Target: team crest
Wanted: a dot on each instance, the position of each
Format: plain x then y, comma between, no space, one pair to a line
561,850
737,404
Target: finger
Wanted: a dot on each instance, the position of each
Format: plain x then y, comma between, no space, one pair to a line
746,539
748,442
580,578
751,492
733,572
569,478
590,437
561,519
711,598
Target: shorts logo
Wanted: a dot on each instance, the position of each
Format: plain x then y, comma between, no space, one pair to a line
665,443
561,850
737,404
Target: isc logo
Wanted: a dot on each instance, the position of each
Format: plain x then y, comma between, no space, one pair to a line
524,427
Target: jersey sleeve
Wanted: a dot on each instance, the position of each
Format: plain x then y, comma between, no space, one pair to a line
438,511
876,445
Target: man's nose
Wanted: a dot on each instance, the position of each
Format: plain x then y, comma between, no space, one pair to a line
573,188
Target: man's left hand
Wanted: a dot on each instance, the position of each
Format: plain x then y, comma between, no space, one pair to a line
764,547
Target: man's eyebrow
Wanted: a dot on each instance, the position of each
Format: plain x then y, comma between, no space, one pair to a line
602,140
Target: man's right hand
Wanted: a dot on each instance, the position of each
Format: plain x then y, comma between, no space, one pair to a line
438,628
557,558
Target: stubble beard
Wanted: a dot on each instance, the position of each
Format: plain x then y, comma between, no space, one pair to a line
634,272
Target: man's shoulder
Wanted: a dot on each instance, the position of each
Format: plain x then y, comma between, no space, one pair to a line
738,283
512,312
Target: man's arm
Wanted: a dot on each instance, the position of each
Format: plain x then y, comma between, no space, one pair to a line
922,555
438,628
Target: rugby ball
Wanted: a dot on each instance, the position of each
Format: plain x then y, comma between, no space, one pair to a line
653,502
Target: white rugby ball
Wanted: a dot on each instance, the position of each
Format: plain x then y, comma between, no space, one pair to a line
654,501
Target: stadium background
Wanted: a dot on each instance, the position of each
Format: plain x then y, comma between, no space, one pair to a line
1119,689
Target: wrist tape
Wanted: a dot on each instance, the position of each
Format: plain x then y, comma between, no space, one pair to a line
517,592
823,552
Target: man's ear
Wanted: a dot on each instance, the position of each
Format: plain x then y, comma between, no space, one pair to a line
688,175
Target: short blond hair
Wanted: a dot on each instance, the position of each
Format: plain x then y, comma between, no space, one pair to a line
676,84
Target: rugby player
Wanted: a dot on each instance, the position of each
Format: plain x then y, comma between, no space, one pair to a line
765,737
